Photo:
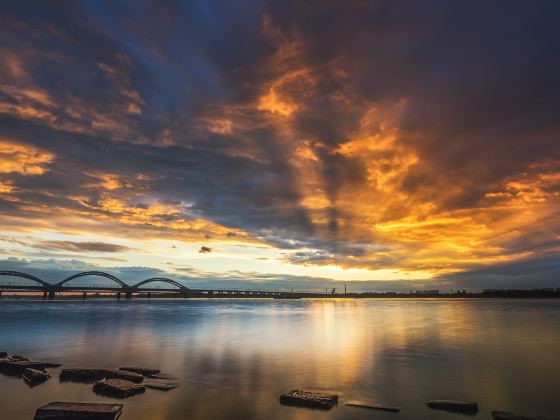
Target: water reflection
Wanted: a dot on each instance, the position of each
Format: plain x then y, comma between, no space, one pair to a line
234,358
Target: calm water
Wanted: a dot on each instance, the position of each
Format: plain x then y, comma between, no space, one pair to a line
234,358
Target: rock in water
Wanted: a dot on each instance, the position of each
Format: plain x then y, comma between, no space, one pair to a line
469,407
163,376
301,398
83,375
124,374
141,370
34,377
72,410
17,368
118,388
162,386
3,354
371,406
504,415
51,365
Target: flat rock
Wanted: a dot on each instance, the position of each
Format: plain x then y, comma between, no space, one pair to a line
297,397
371,406
17,357
469,407
164,376
51,364
3,354
34,377
118,388
141,370
162,386
124,374
82,375
504,415
78,411
17,368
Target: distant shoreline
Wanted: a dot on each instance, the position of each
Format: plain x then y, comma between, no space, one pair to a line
500,294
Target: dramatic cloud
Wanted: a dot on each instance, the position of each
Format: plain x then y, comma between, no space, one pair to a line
364,140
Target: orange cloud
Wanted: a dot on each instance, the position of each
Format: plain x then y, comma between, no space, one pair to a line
23,159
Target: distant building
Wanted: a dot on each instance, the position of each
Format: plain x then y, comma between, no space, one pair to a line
427,292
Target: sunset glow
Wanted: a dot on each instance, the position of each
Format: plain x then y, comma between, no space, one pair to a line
360,142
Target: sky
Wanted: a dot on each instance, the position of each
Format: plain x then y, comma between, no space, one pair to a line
389,145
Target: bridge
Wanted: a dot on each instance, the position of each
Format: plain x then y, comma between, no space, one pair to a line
99,281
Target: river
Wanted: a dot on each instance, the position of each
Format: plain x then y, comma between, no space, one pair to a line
235,357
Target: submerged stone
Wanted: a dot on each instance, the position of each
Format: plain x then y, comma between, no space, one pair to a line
124,374
72,410
118,388
34,377
504,415
469,407
51,364
164,376
162,386
371,406
297,397
141,370
82,375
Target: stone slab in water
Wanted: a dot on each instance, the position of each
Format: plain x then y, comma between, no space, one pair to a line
141,370
469,407
162,386
34,377
82,375
17,368
51,364
164,376
124,374
78,411
118,388
371,406
297,397
504,415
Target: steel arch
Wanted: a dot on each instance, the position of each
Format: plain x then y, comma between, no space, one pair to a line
162,279
93,273
26,276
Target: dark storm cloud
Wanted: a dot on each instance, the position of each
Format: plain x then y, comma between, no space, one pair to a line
168,98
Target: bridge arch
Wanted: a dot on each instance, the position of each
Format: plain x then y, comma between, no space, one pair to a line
93,273
160,279
26,276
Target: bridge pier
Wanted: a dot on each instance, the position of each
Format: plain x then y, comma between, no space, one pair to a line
52,294
149,295
128,295
119,295
84,295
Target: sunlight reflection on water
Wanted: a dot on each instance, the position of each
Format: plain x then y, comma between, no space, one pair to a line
235,357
